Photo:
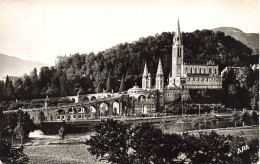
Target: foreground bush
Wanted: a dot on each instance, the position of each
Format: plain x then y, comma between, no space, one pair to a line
119,143
9,154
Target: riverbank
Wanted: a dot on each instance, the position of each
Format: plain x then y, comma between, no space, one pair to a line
88,125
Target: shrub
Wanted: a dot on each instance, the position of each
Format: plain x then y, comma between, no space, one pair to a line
9,154
119,143
111,140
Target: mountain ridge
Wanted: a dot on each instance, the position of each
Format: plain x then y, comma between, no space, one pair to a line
249,39
14,66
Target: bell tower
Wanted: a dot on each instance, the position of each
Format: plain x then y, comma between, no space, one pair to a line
177,57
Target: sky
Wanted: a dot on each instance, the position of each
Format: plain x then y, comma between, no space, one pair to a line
41,30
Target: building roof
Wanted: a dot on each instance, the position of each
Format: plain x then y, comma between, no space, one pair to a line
145,69
159,69
177,39
198,62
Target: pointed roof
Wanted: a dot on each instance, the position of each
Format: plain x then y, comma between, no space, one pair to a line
177,34
145,69
159,69
178,31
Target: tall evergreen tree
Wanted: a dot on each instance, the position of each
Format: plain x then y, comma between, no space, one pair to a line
8,89
35,83
122,85
27,83
2,90
109,83
1,123
19,88
63,85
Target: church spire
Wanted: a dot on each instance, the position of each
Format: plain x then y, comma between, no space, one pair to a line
159,69
145,69
177,40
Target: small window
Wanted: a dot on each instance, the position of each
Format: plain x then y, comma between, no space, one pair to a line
58,117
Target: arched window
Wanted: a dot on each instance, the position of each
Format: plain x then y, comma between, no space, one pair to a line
195,70
200,70
179,51
210,70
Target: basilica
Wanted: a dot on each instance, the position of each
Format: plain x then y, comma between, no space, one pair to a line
185,74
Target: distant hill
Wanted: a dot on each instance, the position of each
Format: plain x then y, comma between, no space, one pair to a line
13,66
249,39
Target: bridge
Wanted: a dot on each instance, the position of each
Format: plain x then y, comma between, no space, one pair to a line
82,110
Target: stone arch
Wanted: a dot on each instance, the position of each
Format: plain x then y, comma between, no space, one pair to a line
92,109
86,99
116,108
141,97
93,98
60,111
103,108
72,110
82,110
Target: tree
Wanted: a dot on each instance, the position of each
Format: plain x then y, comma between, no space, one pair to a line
2,90
254,117
254,95
19,88
45,76
1,123
8,89
63,85
122,85
109,83
35,83
11,124
9,154
111,141
207,148
120,143
245,118
41,116
150,145
24,125
27,84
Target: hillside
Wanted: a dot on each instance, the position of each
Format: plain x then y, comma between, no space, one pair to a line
14,66
123,64
249,39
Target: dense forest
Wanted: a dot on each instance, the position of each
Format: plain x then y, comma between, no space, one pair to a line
120,67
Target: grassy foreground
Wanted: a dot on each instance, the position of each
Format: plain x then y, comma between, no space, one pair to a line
56,154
